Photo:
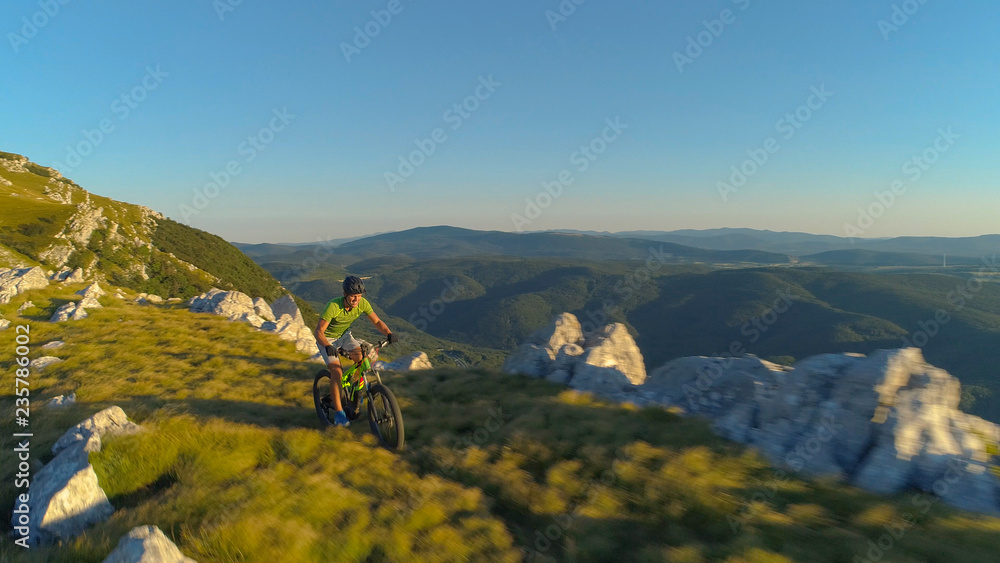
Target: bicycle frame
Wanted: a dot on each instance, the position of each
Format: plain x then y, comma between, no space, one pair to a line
362,368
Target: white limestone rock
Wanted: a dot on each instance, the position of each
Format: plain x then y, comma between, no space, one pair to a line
38,364
263,310
62,401
146,544
411,362
16,281
66,498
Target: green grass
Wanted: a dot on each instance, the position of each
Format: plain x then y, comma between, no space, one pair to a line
233,467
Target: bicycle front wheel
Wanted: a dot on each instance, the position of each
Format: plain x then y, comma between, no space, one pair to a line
321,397
385,418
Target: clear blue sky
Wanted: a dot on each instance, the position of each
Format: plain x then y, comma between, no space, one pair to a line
323,175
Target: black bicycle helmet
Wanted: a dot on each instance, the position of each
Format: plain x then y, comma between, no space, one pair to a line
353,285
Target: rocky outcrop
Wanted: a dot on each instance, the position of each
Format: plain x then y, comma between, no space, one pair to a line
230,304
285,305
90,295
15,281
608,363
887,423
237,306
146,544
76,276
65,495
412,362
58,253
83,223
263,310
72,311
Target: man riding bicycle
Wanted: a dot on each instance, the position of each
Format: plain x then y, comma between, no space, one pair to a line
333,332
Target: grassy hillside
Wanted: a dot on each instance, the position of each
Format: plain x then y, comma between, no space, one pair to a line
51,221
232,466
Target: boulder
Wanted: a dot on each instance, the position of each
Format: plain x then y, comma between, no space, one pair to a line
288,328
38,364
608,363
146,544
61,275
263,310
4,323
65,495
25,305
411,362
62,401
529,359
75,277
230,304
19,280
285,305
71,311
52,345
92,290
111,421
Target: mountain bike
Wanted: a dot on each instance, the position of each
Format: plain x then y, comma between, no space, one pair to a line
359,382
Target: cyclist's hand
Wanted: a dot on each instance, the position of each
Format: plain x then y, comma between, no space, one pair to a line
331,351
390,338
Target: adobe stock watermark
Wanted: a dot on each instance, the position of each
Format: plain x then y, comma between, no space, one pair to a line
30,26
696,44
122,107
913,170
478,437
786,128
290,279
582,158
248,149
894,532
563,11
223,7
754,329
900,16
593,320
363,35
958,298
795,459
426,314
561,524
455,116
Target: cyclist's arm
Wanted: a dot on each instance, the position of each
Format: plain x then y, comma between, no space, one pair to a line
381,326
320,333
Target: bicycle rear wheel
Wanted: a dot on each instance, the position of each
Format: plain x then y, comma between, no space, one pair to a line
385,418
321,397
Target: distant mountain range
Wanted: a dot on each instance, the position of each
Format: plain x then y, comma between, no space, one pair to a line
803,244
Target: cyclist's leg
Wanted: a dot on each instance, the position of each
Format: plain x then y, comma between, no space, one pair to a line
336,372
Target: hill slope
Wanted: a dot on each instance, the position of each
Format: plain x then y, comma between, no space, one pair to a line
232,466
51,221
